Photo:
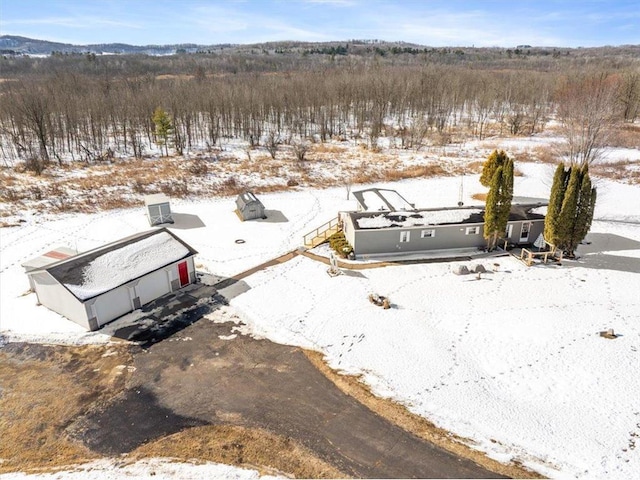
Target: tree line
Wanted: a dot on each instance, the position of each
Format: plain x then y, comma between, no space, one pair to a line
66,115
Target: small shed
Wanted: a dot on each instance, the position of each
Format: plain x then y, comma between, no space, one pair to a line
158,209
249,207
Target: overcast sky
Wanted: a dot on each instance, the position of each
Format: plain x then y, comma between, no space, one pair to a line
477,23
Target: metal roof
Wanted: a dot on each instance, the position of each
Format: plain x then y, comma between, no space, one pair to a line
53,256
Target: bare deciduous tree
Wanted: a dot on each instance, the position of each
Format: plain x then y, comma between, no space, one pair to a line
586,108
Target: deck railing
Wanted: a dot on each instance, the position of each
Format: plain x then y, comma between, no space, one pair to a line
320,234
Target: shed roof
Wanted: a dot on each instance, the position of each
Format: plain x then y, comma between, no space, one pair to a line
155,199
97,271
248,198
435,217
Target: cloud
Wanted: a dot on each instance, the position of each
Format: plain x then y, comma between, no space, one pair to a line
82,22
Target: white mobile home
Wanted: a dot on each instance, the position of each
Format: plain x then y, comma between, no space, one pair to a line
98,286
386,232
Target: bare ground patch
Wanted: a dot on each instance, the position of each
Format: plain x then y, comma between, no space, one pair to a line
43,389
419,426
242,447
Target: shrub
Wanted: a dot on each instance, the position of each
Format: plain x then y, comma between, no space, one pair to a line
340,245
198,167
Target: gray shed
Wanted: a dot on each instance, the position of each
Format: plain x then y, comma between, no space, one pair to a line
158,209
249,207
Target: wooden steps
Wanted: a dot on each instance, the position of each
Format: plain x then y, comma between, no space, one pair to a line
322,233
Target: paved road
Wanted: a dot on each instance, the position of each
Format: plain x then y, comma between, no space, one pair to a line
195,377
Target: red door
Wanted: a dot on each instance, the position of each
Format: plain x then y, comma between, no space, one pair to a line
184,274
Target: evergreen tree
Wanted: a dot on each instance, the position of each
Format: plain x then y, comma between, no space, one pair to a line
584,210
559,187
498,204
163,128
491,164
567,215
491,207
571,206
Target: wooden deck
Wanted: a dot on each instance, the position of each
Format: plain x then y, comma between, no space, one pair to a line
529,257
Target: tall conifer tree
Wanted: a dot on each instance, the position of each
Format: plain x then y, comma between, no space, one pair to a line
491,164
163,128
498,204
584,210
571,206
558,188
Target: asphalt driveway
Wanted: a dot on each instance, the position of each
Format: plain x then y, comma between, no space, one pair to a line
207,374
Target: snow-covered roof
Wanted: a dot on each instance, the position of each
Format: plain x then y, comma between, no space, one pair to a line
433,217
155,199
416,219
95,272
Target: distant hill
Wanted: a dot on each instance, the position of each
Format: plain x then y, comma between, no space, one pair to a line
12,44
17,45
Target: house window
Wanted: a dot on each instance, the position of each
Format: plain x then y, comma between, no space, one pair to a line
472,230
427,233
524,233
508,231
405,236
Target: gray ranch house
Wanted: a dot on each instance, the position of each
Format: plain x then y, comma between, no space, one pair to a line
372,233
95,287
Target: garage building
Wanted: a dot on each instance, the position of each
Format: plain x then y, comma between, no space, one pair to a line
98,286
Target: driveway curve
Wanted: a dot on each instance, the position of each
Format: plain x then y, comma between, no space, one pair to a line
207,374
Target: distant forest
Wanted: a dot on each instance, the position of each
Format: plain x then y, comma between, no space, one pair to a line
90,107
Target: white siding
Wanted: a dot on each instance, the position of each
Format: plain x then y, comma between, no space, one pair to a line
57,298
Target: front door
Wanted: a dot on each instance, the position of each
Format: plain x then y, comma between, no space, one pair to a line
524,233
183,272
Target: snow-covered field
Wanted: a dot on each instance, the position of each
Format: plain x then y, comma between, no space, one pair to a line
512,361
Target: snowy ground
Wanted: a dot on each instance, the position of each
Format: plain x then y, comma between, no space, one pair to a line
512,361
156,469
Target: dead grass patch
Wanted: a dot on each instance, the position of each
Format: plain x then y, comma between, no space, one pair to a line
414,424
627,136
242,447
482,197
622,170
474,167
415,171
327,148
551,154
44,389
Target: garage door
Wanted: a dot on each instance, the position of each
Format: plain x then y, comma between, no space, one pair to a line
152,286
112,305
